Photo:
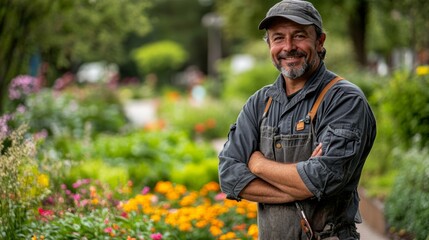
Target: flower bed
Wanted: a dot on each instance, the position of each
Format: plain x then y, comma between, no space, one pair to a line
89,210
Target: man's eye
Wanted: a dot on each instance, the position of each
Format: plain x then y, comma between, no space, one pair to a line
277,39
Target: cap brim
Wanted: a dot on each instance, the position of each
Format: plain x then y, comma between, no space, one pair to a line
264,24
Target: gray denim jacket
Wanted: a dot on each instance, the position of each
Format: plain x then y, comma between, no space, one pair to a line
344,124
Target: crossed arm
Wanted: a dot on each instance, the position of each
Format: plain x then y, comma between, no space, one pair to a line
277,182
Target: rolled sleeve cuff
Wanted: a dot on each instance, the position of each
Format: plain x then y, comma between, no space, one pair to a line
235,193
303,174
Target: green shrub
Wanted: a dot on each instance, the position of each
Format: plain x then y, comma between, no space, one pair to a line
244,84
208,121
160,58
407,207
144,157
407,98
97,169
75,113
22,186
196,175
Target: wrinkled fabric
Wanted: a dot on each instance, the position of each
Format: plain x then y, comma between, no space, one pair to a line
344,124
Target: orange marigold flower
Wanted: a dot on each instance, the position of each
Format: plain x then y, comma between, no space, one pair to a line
239,227
228,235
163,187
211,123
199,128
215,231
253,231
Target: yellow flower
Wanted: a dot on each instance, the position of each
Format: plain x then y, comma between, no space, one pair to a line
211,186
422,70
215,231
155,218
228,235
43,180
185,227
94,201
189,199
253,231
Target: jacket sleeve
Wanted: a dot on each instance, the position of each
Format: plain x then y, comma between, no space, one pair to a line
346,128
243,139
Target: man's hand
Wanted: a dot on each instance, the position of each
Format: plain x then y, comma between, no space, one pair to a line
317,151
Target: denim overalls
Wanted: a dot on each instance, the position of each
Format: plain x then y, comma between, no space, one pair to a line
283,221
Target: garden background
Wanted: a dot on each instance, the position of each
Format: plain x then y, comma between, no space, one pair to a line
110,110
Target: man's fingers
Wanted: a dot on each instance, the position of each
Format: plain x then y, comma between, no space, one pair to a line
317,151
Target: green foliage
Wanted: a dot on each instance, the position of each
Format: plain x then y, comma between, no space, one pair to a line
64,114
407,207
158,57
242,17
407,103
245,84
66,33
188,173
22,186
141,156
90,210
97,169
181,21
209,121
96,224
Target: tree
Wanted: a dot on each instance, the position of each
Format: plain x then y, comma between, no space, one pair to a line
66,32
17,21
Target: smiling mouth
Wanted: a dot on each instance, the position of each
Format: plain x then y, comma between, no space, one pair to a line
290,56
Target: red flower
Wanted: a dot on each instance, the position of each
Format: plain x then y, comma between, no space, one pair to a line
199,128
45,213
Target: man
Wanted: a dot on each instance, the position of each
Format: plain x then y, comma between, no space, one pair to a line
301,165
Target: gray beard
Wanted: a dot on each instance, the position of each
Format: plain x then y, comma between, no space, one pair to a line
294,73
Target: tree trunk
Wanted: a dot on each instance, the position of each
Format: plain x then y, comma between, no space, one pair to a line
357,30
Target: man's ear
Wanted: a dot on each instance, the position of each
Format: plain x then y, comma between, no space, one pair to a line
320,42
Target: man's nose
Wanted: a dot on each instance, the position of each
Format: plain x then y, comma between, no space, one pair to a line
288,44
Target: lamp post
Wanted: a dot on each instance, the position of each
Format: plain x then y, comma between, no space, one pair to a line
213,22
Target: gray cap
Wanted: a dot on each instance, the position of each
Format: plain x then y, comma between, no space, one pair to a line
301,12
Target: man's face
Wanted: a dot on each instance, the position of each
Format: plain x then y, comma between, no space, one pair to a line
294,48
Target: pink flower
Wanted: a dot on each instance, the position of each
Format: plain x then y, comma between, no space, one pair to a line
108,230
76,197
220,197
145,190
156,236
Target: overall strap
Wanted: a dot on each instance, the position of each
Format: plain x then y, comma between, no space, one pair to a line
267,106
319,99
310,116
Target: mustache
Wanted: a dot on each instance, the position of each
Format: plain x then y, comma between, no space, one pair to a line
293,53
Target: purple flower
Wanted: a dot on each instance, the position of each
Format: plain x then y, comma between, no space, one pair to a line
23,85
4,128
